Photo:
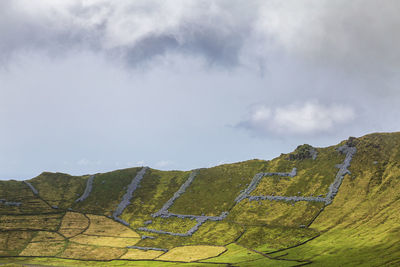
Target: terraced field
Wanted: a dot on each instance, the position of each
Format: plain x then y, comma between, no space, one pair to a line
334,206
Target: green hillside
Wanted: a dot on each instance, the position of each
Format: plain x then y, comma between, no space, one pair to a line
333,206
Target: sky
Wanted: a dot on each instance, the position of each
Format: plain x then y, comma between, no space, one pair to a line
94,86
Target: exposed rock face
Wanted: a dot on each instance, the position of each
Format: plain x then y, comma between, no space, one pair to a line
352,141
303,152
126,199
88,190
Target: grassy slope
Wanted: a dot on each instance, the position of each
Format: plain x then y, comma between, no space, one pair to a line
359,227
362,226
59,189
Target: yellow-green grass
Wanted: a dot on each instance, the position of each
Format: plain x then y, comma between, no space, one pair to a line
88,252
49,222
210,233
138,254
13,242
155,189
103,226
313,176
275,213
49,248
59,189
192,253
215,189
17,191
73,223
43,236
172,224
45,261
107,191
268,239
105,241
237,255
362,226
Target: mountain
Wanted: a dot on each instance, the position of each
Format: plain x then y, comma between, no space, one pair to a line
333,206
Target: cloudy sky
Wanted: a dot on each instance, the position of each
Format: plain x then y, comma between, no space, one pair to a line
93,86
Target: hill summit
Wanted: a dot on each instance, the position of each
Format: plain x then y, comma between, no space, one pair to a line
333,206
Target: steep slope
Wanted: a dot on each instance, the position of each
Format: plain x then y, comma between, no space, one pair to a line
323,206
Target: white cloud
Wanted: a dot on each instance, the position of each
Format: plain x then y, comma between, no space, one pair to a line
83,162
164,163
140,163
306,119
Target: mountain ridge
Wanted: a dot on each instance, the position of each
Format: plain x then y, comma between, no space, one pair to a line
276,210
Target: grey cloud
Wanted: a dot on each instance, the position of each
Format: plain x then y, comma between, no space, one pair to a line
216,37
357,37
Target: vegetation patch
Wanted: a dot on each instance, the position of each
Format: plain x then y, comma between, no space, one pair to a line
43,236
239,256
214,190
46,261
110,241
267,239
275,213
73,224
210,233
138,254
17,191
48,222
59,189
87,252
313,176
172,224
156,188
103,226
192,253
13,242
51,248
107,191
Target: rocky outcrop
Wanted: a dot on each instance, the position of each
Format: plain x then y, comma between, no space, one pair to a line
88,189
303,152
126,199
